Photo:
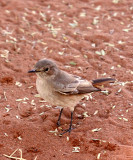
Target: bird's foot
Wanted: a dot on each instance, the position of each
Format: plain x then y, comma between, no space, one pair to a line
66,131
58,123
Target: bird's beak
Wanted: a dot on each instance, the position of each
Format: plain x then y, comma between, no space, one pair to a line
32,71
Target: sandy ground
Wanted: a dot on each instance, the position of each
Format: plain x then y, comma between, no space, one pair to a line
89,38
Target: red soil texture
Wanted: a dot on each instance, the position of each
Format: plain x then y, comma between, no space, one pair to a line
89,38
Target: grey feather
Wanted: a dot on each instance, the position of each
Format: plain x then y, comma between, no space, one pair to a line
69,84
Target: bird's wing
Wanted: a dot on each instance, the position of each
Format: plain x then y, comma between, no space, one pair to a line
70,85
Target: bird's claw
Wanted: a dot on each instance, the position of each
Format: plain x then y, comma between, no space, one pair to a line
66,130
58,123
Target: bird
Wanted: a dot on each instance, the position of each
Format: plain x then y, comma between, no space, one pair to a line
60,88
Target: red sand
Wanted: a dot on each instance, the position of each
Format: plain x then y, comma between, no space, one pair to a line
92,39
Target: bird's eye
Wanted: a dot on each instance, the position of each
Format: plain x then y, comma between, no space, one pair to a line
46,69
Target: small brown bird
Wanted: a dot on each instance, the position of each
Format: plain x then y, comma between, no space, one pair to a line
62,89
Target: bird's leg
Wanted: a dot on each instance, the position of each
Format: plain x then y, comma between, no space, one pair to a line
58,122
70,127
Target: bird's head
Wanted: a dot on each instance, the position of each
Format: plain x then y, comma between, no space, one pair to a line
45,68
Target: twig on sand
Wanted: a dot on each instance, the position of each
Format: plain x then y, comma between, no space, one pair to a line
35,158
16,158
56,41
5,96
60,42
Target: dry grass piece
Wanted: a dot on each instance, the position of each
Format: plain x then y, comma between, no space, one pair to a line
16,158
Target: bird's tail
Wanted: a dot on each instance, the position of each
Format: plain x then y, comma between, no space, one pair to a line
102,81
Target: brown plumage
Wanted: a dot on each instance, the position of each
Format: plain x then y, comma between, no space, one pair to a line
61,88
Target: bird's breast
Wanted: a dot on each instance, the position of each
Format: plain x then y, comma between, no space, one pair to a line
44,89
47,92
